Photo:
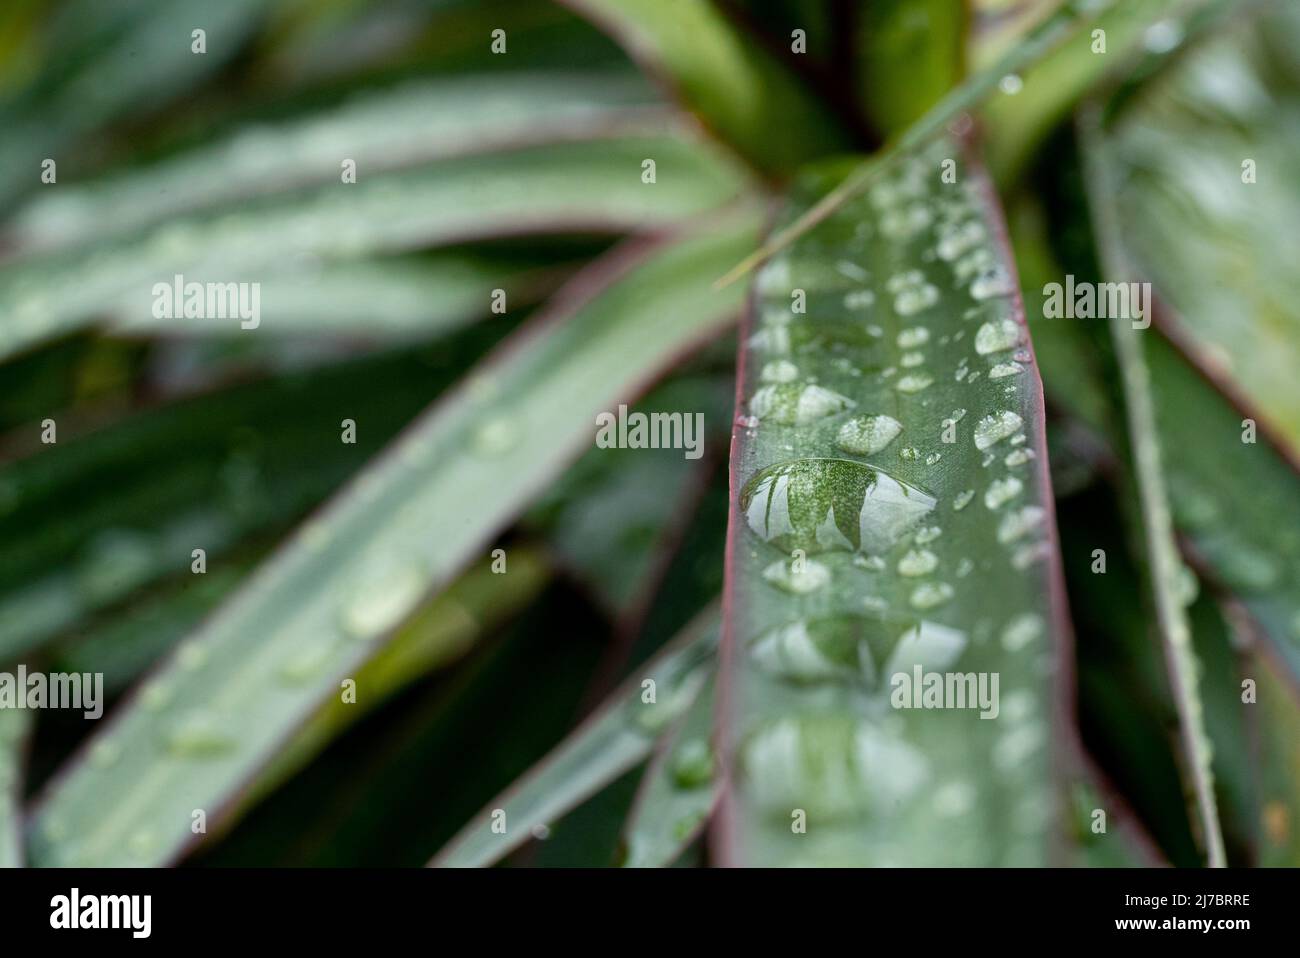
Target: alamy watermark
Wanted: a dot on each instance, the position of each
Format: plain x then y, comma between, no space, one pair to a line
1071,300
181,300
920,689
55,690
656,430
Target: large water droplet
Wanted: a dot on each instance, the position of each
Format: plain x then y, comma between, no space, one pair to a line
918,562
831,504
796,404
867,435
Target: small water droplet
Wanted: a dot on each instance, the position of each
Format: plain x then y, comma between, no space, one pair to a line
779,371
914,382
912,337
1021,631
1019,523
1011,84
1003,370
993,429
995,337
927,534
692,765
962,500
867,435
810,577
496,436
797,404
383,601
918,562
927,595
1002,491
199,735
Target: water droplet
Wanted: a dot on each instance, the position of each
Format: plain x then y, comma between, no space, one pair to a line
914,382
927,534
954,799
1019,523
825,504
912,360
867,435
382,602
995,428
859,299
918,562
692,764
914,299
305,664
495,437
191,655
912,337
832,766
779,371
996,337
965,567
933,458
155,695
962,500
1021,631
1018,457
1003,370
199,735
810,577
105,752
796,404
1011,84
910,453
927,595
1002,491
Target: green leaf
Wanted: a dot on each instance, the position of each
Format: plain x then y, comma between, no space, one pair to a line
15,725
617,737
1066,21
678,790
910,53
1164,566
233,694
414,124
730,82
864,546
1019,122
98,517
590,186
1216,247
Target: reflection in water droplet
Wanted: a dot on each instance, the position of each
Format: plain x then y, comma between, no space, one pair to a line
995,428
795,404
867,435
831,504
815,651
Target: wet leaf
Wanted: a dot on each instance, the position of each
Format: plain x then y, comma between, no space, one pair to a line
617,737
892,517
234,693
